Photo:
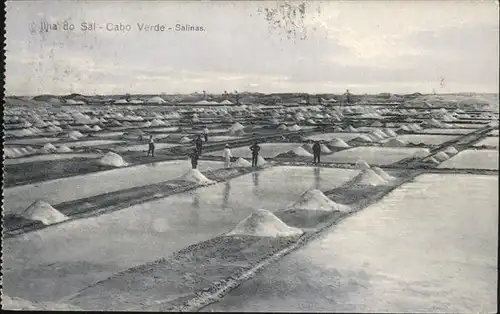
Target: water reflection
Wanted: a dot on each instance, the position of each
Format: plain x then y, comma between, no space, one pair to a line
255,177
194,216
317,177
225,194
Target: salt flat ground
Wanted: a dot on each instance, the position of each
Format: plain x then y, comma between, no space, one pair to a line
17,198
330,136
55,262
90,143
488,141
429,246
142,147
373,155
267,150
473,159
31,141
446,131
425,139
35,158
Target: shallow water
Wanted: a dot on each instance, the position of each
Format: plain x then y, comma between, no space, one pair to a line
425,139
267,150
22,160
473,159
429,246
488,141
61,190
372,155
142,147
90,143
148,231
330,136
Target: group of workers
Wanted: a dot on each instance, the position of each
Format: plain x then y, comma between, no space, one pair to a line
255,148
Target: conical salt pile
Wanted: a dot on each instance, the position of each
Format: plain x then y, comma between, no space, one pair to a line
261,161
263,223
390,132
325,149
47,148
294,128
185,139
441,156
338,129
450,150
112,159
75,134
384,175
363,138
316,200
299,151
433,161
282,127
338,143
361,164
394,142
236,127
194,175
350,128
240,162
63,149
369,177
43,212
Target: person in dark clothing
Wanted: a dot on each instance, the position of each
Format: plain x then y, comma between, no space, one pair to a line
151,146
255,148
194,158
199,144
316,152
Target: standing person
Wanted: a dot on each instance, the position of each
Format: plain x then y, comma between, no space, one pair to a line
255,148
227,156
316,151
199,143
205,133
151,146
194,158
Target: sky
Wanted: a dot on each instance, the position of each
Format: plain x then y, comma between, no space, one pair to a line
363,46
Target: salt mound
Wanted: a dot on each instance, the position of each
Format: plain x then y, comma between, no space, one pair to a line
361,164
325,149
263,223
48,148
441,156
421,153
96,128
261,161
185,139
75,134
282,127
194,175
316,200
338,129
339,143
432,160
363,138
350,128
236,127
240,162
384,175
451,150
369,177
43,212
390,132
294,128
63,149
300,151
394,142
112,159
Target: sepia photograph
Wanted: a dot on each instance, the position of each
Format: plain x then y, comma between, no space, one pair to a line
251,156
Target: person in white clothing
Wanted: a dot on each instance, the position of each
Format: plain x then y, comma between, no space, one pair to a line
227,156
205,133
151,146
